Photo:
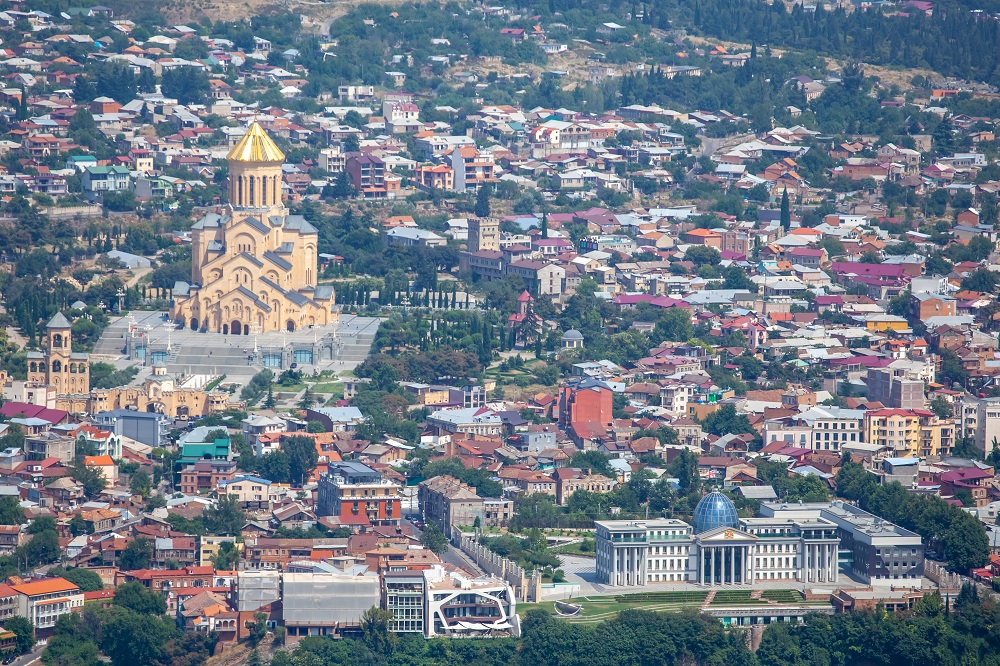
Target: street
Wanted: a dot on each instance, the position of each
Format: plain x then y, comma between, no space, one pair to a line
30,658
452,556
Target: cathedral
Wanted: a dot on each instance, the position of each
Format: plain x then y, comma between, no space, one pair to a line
253,267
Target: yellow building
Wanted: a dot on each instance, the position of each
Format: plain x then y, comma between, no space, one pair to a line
253,267
210,546
910,432
66,371
884,323
159,395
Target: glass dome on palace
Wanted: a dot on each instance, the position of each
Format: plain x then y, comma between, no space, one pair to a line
713,511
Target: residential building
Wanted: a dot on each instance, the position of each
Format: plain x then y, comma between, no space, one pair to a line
404,595
44,601
256,425
819,428
449,503
252,492
206,475
267,554
350,490
570,479
368,176
325,604
910,432
472,420
484,234
97,180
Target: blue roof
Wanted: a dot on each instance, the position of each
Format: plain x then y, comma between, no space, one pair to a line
714,510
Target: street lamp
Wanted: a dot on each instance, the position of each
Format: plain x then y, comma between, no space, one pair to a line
256,329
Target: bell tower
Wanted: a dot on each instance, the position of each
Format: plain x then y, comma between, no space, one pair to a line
255,171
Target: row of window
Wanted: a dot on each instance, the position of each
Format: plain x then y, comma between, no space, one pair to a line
57,366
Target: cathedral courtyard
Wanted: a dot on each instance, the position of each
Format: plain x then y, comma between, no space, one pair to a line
151,337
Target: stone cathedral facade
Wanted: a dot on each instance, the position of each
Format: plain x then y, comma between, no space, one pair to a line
253,266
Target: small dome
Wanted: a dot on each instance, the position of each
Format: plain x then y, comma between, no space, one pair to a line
713,511
572,334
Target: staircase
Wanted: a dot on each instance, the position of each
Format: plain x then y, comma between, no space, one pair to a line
708,599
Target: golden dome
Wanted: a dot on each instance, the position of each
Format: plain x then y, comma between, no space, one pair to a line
256,146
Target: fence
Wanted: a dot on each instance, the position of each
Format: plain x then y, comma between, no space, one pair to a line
527,588
947,581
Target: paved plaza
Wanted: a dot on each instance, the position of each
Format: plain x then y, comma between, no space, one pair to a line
145,337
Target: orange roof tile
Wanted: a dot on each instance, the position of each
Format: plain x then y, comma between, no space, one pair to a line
47,586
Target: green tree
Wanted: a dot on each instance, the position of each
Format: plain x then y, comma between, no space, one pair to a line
434,539
482,208
375,624
673,325
85,579
595,461
42,549
136,555
24,633
725,420
941,407
141,484
302,458
257,628
227,557
685,469
187,84
307,400
91,478
133,639
226,518
135,597
78,526
786,213
11,512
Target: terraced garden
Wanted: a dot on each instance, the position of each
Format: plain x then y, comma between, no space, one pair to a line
736,598
596,609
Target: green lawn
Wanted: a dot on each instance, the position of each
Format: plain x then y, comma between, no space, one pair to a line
573,549
598,609
334,389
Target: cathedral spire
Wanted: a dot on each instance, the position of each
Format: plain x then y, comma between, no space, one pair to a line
255,146
255,171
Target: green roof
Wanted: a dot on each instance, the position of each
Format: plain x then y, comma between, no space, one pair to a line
98,170
194,451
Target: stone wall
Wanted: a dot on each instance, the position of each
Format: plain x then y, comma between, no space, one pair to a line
527,587
947,581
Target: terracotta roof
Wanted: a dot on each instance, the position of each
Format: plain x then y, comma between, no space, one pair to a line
47,586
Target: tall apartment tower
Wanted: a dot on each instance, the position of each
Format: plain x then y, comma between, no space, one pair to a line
484,234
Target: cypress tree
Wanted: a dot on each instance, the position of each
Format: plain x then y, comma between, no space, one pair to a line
786,213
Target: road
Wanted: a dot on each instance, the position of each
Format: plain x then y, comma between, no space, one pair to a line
452,556
29,658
